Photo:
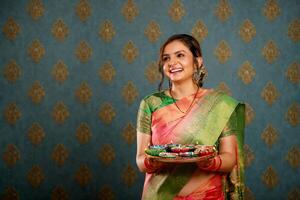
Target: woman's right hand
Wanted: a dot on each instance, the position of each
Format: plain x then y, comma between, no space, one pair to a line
153,165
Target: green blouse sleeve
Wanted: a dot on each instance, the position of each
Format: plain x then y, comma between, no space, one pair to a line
231,127
144,118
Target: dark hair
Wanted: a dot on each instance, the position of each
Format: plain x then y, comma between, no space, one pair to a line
191,43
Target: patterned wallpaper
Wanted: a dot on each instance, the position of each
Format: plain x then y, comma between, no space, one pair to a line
73,74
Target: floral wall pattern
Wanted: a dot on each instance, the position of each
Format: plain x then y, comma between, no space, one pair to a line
73,73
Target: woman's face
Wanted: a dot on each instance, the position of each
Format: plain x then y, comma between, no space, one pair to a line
178,62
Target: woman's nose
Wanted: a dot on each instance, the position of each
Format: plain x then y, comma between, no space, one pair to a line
172,62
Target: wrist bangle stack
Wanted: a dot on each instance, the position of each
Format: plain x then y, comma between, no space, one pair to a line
213,166
149,167
220,163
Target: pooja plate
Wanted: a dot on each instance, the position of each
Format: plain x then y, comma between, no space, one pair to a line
181,153
181,159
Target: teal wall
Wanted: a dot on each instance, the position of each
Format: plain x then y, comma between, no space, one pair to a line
59,163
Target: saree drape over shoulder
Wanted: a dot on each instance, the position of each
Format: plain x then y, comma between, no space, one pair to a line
212,116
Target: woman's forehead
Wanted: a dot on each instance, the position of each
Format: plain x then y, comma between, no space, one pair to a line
175,46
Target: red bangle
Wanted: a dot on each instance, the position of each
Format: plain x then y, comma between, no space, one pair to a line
220,163
213,166
149,167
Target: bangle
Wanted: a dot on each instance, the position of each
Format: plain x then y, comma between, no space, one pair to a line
220,163
149,167
211,166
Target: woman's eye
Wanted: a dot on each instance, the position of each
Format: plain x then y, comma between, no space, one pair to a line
165,59
180,55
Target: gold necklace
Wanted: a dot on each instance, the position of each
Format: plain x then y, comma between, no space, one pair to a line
170,91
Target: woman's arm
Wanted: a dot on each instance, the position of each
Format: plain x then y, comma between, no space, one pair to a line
144,163
227,153
226,158
143,140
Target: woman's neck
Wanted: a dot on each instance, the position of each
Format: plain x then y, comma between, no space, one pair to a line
183,89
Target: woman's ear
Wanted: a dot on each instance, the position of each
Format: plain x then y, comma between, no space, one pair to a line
199,60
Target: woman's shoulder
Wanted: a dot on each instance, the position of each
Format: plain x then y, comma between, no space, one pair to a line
155,95
226,98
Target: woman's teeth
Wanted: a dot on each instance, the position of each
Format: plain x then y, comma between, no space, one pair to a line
176,70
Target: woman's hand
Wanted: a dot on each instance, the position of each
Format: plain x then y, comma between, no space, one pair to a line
204,164
153,165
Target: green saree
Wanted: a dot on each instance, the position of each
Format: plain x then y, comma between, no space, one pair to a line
212,116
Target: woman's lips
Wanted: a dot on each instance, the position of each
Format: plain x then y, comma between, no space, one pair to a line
173,70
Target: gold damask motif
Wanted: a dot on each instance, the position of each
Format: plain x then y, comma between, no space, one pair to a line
83,175
152,31
223,10
270,51
130,10
11,29
107,154
270,177
36,92
152,74
83,10
60,112
293,73
107,31
12,113
83,133
129,133
246,72
83,51
60,154
107,113
249,194
269,135
60,72
270,94
176,10
129,93
36,51
250,114
107,72
129,175
59,193
11,155
60,30
249,155
271,10
36,134
294,30
106,193
12,71
200,31
130,52
294,194
223,52
35,176
10,193
84,93
293,157
35,9
293,114
247,31
224,88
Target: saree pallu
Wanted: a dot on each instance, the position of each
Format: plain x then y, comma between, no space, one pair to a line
212,115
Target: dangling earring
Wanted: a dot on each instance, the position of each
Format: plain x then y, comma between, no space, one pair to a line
202,71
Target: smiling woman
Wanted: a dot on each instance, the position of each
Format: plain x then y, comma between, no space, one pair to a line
187,113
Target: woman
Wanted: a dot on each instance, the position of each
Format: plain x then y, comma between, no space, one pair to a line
186,113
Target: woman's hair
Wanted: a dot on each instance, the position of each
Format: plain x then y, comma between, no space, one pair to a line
191,43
